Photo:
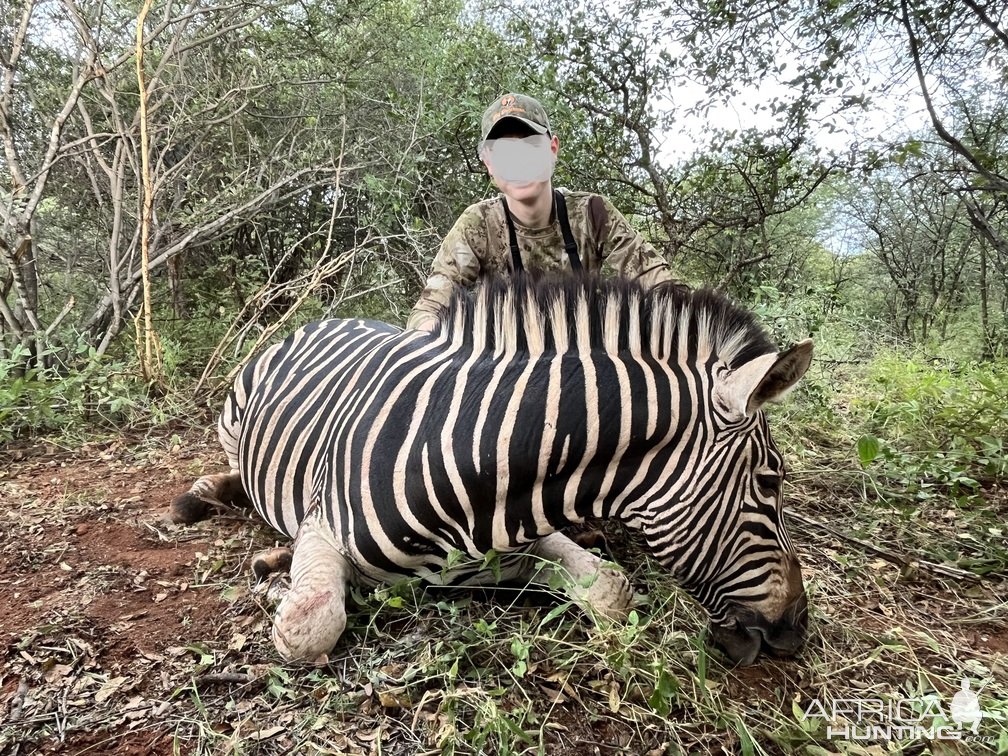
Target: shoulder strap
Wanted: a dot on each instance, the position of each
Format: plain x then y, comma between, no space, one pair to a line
598,215
570,246
516,261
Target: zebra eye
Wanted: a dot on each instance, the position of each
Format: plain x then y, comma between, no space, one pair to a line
769,484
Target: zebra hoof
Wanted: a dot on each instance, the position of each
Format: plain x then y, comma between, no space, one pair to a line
271,560
188,508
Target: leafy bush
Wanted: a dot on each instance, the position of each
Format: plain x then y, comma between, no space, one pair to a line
788,317
921,425
928,425
42,399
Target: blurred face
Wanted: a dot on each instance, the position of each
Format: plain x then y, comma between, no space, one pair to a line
520,161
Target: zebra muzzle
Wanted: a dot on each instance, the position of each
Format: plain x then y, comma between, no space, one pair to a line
751,632
739,643
785,636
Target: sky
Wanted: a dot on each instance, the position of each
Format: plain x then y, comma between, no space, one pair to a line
897,108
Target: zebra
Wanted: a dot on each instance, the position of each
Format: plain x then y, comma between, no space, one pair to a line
532,406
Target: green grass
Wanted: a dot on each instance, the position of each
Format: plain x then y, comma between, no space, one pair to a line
461,675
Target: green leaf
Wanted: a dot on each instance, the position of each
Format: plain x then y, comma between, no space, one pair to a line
517,731
746,745
554,613
659,704
867,449
492,560
666,691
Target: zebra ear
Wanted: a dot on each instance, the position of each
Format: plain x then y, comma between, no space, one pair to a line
782,376
766,378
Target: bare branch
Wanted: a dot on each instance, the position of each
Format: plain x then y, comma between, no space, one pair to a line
62,314
6,90
997,181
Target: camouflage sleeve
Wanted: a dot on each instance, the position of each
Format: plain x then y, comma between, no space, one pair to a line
457,263
626,253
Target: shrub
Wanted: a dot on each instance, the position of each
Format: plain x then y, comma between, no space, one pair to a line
90,389
928,424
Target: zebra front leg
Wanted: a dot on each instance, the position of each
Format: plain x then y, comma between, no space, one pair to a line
588,580
312,615
210,490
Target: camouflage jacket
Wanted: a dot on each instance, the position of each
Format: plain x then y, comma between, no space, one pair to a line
478,245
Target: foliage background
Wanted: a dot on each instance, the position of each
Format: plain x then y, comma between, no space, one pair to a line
307,158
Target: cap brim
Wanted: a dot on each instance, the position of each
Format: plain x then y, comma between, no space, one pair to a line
538,128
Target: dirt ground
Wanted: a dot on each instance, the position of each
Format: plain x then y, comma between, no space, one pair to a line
121,633
102,600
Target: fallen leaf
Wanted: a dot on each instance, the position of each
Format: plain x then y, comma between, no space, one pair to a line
58,671
394,699
553,696
237,642
108,689
136,702
260,735
614,700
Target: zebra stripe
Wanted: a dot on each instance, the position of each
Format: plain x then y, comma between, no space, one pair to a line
533,406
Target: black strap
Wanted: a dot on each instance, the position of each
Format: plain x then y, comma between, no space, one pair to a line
516,263
570,246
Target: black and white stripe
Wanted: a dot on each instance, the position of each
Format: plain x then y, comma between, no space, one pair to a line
534,405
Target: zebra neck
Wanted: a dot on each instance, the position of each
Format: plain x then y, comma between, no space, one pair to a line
565,438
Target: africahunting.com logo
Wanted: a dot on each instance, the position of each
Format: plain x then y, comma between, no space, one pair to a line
893,719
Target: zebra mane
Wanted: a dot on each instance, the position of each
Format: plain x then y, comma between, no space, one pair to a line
553,313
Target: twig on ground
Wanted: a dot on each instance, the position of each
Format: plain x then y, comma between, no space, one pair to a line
225,678
889,556
17,701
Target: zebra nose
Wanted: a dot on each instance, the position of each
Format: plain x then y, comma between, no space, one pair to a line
785,636
740,643
752,632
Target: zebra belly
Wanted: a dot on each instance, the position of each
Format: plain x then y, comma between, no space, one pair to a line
350,416
417,502
293,412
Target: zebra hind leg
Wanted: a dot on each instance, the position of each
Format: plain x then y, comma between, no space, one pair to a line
207,492
591,582
312,616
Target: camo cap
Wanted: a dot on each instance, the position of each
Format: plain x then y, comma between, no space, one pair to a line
520,107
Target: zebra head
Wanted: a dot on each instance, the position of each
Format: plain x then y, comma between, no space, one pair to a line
724,536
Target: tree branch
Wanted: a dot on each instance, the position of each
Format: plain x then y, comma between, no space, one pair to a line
6,89
999,182
988,21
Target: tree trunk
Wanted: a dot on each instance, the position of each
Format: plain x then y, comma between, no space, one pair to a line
175,288
988,351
